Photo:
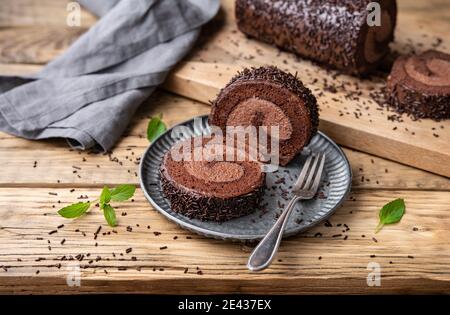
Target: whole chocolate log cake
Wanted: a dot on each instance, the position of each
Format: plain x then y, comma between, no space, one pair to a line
332,32
206,185
420,85
267,96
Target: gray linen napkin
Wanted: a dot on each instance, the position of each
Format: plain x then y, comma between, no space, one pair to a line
89,94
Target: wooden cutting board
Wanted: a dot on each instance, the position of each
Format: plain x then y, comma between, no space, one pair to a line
348,111
358,124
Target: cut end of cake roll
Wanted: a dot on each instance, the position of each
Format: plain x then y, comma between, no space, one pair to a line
374,39
419,85
267,97
206,185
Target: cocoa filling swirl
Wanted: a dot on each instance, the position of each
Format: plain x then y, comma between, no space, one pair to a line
213,166
259,112
429,71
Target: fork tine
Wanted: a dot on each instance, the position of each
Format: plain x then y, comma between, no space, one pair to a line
312,172
318,177
303,173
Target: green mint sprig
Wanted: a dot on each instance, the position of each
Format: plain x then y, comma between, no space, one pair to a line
391,212
155,128
120,193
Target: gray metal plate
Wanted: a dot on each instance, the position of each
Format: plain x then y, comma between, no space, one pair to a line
336,182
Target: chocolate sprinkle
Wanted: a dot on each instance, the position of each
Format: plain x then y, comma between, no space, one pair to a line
208,208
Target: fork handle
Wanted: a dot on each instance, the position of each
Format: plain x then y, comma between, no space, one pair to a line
264,253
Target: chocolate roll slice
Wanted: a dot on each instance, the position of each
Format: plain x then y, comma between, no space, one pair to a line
332,32
206,185
420,85
267,96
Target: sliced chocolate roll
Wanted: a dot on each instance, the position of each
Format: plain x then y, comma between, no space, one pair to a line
267,96
205,186
332,32
420,85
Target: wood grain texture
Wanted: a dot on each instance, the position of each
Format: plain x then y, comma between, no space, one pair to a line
36,31
36,13
26,247
47,43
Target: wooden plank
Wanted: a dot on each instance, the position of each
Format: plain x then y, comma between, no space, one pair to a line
28,218
20,13
52,14
36,32
57,165
19,69
36,45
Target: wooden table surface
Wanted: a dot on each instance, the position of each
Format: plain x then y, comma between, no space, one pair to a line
39,177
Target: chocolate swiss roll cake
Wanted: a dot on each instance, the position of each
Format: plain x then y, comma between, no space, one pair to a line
332,32
267,96
420,85
206,185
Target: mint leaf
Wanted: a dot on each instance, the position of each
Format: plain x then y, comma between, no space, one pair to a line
110,215
74,210
105,196
391,212
155,128
122,192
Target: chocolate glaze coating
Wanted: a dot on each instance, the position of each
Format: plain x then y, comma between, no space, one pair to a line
214,197
332,32
274,86
419,85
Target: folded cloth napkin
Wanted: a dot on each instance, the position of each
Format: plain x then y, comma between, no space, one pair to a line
89,94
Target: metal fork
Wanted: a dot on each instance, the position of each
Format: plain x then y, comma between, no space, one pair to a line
304,188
